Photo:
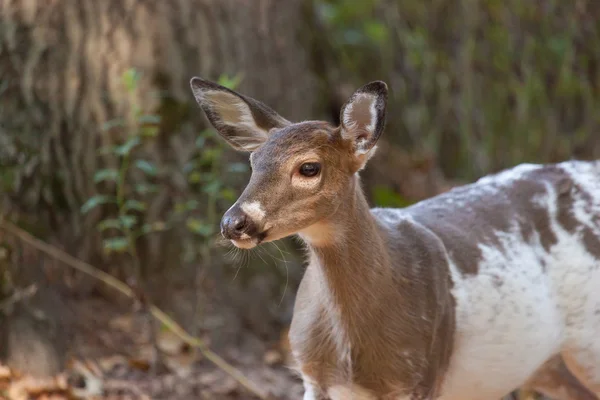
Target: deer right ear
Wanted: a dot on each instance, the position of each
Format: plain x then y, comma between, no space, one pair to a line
242,121
363,118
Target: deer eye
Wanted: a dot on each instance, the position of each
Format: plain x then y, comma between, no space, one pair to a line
310,169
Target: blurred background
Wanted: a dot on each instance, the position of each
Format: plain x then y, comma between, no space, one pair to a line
108,164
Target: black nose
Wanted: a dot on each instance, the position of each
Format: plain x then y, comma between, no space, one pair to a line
235,223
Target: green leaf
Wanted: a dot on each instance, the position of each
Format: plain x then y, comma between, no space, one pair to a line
146,188
376,31
153,227
111,223
136,111
209,133
212,187
117,244
383,196
127,221
131,78
95,201
106,175
149,119
192,204
134,205
113,123
200,142
126,147
186,206
228,194
198,227
230,83
104,150
147,166
149,131
212,155
195,177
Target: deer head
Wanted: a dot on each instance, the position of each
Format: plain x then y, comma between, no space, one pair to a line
300,171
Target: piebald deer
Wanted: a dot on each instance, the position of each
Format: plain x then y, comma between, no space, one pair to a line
467,295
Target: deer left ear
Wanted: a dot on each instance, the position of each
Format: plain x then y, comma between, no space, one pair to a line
363,118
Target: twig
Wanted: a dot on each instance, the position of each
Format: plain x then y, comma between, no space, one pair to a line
156,312
18,296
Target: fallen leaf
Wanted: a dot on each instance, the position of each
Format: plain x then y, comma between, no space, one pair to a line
5,372
170,343
122,322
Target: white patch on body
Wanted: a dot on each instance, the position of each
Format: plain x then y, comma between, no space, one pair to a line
350,392
513,315
508,175
578,290
254,210
309,391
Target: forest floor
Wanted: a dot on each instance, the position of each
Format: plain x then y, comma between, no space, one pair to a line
111,357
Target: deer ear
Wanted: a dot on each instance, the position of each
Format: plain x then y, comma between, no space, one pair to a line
242,121
363,117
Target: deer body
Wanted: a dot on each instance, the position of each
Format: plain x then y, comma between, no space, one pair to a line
479,287
467,295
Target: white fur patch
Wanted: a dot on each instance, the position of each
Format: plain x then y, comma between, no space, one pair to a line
244,244
527,304
254,210
509,175
350,122
352,392
309,393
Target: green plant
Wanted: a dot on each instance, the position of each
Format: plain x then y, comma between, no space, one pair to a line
384,196
128,199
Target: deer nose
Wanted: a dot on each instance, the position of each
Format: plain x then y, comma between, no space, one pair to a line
235,223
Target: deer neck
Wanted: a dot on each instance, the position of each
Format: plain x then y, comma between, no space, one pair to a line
349,260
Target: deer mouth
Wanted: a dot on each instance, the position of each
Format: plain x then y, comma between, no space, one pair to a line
244,243
248,242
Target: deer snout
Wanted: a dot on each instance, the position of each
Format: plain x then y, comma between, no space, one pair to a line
236,224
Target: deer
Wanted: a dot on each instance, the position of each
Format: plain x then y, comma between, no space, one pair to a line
468,295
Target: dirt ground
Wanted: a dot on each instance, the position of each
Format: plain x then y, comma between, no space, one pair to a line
111,358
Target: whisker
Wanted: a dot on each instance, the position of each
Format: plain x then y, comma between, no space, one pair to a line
287,273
